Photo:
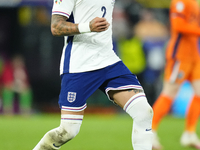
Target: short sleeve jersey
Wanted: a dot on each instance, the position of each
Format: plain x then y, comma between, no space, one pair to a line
87,51
184,44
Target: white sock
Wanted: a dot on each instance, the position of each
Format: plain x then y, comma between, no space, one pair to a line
68,129
141,112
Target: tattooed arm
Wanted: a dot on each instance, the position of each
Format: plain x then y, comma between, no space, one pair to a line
61,27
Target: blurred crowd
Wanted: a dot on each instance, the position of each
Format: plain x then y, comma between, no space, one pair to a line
140,35
15,90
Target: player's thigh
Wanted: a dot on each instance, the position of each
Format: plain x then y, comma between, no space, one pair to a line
196,87
176,72
170,89
195,77
72,112
120,89
122,96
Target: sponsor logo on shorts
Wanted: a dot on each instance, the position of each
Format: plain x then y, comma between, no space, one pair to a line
71,96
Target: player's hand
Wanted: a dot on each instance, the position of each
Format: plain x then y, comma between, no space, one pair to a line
99,24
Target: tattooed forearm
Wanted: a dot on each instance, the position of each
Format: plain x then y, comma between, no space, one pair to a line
136,90
60,27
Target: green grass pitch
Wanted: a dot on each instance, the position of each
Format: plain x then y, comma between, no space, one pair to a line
98,132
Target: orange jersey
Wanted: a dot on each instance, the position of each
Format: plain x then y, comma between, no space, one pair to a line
185,30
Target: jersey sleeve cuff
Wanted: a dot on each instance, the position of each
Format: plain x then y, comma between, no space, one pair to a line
60,13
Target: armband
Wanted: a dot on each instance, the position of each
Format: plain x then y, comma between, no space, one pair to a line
84,27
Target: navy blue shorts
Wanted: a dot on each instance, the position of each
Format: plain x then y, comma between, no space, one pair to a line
76,88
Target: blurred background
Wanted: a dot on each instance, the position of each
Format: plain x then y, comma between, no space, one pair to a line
30,55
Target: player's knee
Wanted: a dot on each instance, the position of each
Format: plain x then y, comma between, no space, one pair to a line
140,110
144,117
142,129
68,130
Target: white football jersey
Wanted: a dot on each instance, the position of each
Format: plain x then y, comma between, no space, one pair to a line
88,51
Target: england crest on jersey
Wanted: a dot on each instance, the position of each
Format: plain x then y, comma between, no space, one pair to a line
71,96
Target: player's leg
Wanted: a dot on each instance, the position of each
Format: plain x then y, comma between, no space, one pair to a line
163,104
161,108
194,108
72,101
69,127
189,137
123,88
176,72
72,107
134,102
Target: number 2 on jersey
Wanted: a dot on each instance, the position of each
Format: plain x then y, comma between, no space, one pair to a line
103,9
